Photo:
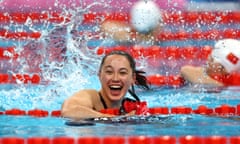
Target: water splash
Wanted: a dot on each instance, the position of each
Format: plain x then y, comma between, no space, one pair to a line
61,56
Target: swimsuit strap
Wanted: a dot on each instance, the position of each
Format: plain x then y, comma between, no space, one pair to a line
102,100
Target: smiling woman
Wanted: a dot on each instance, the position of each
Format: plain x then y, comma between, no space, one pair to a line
117,75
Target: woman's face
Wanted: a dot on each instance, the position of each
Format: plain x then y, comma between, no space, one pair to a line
214,68
116,77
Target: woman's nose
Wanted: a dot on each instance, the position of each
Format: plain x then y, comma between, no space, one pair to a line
115,77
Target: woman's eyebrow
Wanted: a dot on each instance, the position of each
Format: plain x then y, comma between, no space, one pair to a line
124,69
107,66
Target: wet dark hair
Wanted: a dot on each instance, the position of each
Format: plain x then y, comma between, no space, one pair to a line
141,80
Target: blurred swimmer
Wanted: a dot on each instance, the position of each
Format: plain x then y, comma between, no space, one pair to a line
145,24
222,62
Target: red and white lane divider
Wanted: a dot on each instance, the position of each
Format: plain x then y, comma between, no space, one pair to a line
20,78
196,34
189,52
7,53
177,81
21,35
164,139
224,110
156,80
169,17
170,52
35,17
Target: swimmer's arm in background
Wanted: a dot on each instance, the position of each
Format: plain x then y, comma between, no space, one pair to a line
80,106
196,75
117,30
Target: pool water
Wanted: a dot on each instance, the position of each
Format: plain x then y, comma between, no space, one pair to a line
177,125
65,59
174,124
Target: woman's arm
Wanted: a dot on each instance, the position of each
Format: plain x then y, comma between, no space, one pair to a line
80,106
196,75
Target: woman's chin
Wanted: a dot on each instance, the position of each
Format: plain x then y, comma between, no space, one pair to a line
115,97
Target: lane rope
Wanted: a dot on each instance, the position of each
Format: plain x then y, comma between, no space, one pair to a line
164,139
169,17
165,35
224,110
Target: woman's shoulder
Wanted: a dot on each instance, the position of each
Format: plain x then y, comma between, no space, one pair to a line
192,73
88,91
85,93
197,75
191,69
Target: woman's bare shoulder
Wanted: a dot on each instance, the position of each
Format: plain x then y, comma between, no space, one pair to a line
86,92
192,73
197,75
189,69
84,97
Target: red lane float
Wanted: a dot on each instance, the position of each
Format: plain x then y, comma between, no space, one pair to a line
235,140
12,140
161,80
223,110
15,112
56,113
181,110
35,17
215,140
156,79
34,112
89,140
113,140
7,53
157,52
238,109
38,113
166,139
202,109
63,140
199,34
19,35
189,139
159,110
162,36
110,111
38,140
169,17
19,78
178,81
139,140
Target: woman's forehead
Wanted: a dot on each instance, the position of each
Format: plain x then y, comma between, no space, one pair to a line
118,59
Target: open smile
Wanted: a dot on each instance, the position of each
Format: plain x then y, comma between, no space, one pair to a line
115,89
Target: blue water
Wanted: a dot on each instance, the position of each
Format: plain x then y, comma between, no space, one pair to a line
178,125
172,124
60,79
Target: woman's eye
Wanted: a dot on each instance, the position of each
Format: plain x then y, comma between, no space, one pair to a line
123,73
108,72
